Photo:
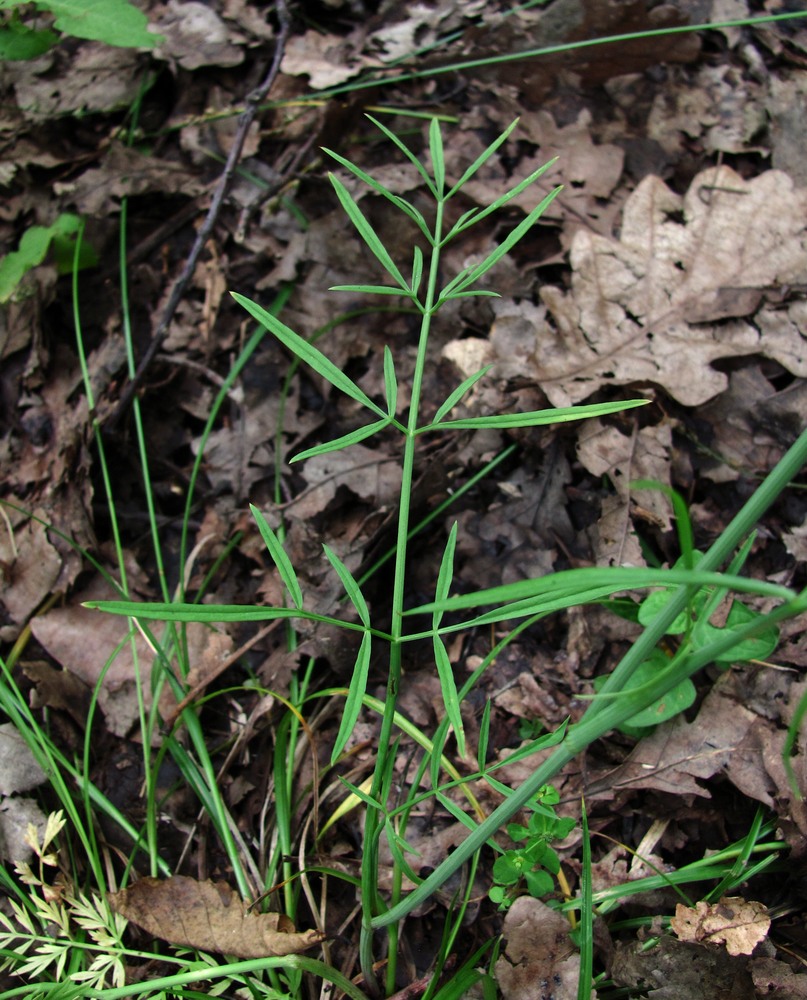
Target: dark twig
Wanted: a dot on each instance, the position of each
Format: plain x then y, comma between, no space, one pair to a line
253,102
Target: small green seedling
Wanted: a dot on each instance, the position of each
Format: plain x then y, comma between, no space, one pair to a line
532,865
59,239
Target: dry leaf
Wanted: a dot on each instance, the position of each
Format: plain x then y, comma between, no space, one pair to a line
738,923
666,299
538,950
208,916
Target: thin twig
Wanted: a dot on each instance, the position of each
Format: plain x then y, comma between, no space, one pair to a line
253,102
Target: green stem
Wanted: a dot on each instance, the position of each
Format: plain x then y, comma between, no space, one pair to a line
374,819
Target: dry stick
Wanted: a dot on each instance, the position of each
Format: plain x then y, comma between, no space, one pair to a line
252,104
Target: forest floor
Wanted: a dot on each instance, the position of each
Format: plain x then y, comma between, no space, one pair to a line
672,266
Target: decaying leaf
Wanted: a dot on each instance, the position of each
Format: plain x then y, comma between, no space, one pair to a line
738,923
208,916
539,950
669,297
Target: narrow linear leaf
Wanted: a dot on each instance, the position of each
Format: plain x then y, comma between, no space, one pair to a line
417,270
448,690
457,395
168,612
279,557
505,247
351,587
424,173
437,155
366,231
535,418
313,357
371,289
354,437
614,578
482,159
484,736
479,292
390,382
446,573
400,203
358,685
462,224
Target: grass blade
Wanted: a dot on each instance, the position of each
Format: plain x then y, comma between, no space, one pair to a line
586,916
279,557
307,352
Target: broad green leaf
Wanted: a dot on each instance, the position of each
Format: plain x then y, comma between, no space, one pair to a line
481,160
358,685
279,557
354,437
756,647
33,248
18,42
675,701
115,22
438,158
424,173
313,357
390,382
457,395
503,249
366,231
351,587
536,418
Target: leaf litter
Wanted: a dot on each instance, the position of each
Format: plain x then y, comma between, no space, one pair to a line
660,268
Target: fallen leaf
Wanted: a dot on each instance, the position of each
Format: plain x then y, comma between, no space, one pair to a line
659,304
208,916
738,923
539,950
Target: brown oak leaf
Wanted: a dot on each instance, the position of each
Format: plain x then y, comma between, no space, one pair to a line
208,916
738,923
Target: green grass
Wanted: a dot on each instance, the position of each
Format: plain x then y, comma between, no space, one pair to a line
303,718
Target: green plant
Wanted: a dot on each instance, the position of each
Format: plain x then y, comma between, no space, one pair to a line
620,698
533,864
59,238
694,625
115,22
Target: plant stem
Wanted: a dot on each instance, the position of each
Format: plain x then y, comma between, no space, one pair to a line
374,819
